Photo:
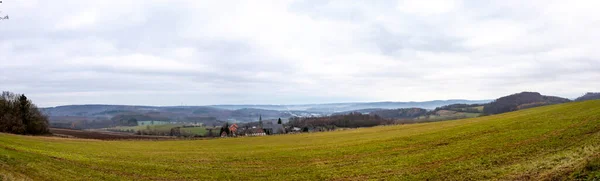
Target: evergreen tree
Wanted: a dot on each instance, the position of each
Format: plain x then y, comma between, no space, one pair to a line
19,116
24,112
225,128
210,133
132,122
279,121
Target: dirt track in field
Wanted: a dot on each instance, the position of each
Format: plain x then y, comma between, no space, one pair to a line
103,135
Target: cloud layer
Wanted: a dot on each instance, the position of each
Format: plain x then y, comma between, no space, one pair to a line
159,52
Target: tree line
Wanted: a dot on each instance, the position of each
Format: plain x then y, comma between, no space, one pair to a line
352,120
402,113
469,108
18,115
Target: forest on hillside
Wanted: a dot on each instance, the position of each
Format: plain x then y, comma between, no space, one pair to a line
520,101
351,120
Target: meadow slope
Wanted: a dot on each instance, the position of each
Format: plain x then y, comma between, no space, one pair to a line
551,142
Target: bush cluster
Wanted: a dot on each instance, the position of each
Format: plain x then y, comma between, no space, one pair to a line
18,115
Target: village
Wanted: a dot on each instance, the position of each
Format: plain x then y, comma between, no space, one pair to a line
194,129
267,127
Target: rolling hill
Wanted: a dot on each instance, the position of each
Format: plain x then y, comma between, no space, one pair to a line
204,114
551,142
345,107
589,96
98,116
520,101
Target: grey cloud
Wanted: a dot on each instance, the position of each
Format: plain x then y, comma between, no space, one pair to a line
203,52
423,39
326,10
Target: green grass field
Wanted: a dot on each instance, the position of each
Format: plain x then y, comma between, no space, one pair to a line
194,131
161,128
552,142
165,129
479,108
450,115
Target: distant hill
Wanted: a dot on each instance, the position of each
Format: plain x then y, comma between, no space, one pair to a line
349,107
520,101
437,110
362,111
404,113
201,114
509,103
209,114
395,114
589,96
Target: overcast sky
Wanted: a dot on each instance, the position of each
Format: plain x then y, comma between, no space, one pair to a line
194,52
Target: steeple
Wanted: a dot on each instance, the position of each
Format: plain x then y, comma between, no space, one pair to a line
260,123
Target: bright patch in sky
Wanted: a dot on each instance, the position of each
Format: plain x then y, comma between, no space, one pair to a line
156,52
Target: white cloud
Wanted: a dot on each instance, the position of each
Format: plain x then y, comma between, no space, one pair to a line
77,21
234,51
428,7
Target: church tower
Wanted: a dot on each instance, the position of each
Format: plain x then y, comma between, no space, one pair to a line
260,123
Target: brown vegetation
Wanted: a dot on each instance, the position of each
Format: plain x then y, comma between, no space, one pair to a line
102,135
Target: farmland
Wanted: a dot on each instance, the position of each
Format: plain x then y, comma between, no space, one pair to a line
161,129
447,115
552,142
102,135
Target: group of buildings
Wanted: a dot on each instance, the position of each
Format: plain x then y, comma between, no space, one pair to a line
263,128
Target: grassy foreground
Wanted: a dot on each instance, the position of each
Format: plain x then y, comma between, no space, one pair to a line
552,142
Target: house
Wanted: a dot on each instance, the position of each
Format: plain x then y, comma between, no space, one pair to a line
233,129
255,132
271,127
